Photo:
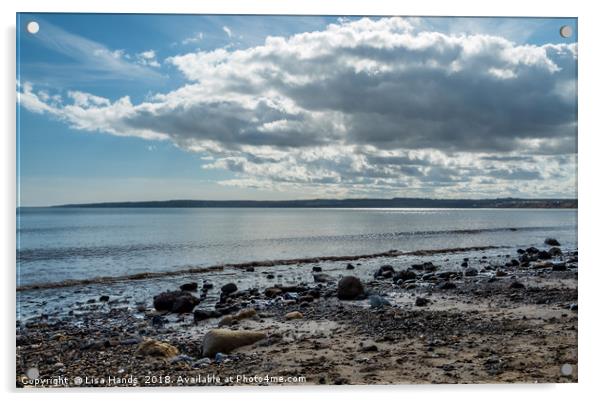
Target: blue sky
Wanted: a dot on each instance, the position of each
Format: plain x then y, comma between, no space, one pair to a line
199,124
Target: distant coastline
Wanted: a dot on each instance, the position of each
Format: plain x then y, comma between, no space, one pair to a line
515,203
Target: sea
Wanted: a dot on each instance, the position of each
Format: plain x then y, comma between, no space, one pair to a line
58,244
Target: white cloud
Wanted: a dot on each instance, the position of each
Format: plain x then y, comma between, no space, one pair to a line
227,30
364,106
148,58
193,39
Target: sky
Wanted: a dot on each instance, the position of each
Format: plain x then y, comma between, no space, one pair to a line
157,107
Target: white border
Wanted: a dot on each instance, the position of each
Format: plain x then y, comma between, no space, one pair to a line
590,33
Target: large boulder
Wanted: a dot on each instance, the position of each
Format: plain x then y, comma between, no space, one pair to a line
552,242
175,301
225,341
350,288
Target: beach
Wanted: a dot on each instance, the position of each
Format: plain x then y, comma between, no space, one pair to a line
486,314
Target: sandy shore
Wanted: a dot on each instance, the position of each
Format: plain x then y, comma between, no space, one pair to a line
510,318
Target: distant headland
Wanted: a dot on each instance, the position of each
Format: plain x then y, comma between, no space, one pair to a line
343,203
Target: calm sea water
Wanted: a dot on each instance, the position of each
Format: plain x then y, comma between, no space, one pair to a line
55,244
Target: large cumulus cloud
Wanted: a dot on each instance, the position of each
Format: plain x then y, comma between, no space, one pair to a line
367,106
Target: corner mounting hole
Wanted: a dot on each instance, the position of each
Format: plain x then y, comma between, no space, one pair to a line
33,27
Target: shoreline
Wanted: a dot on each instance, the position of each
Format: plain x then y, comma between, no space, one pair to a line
242,265
501,318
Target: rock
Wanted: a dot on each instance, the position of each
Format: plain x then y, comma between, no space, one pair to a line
559,267
426,266
158,349
404,275
229,288
514,262
189,287
185,304
225,341
175,301
500,273
555,252
520,251
422,301
464,264
516,285
316,269
448,285
293,315
552,242
385,271
471,272
544,255
270,276
250,269
201,314
573,307
104,298
369,348
350,266
243,314
376,301
207,286
322,278
532,250
350,288
272,292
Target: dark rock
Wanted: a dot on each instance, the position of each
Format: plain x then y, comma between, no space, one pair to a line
201,314
500,273
385,271
544,255
350,266
520,251
229,288
316,269
189,287
185,304
559,267
447,286
250,269
272,292
516,285
158,321
405,275
573,307
426,266
322,278
369,348
104,298
175,301
270,276
471,272
464,264
422,301
555,252
207,286
552,242
532,250
350,288
514,262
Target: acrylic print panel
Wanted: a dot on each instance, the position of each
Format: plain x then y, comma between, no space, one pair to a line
295,200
